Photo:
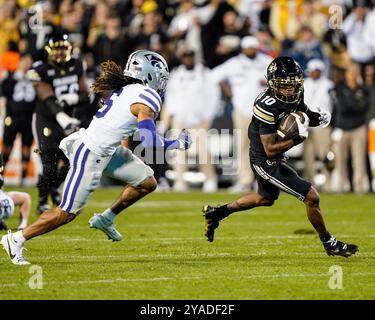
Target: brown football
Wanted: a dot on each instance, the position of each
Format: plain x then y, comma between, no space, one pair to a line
288,126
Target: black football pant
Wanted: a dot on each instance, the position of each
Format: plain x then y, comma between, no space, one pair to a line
55,168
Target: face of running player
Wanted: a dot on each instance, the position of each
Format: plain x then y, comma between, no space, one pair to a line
291,91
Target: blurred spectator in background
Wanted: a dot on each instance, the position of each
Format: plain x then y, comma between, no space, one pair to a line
369,29
351,104
20,104
242,78
98,22
306,47
151,36
186,24
34,33
370,85
353,27
192,100
317,145
267,44
229,41
72,23
110,45
335,48
284,19
251,9
9,20
312,17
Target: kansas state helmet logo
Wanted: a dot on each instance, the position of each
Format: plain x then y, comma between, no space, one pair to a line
155,61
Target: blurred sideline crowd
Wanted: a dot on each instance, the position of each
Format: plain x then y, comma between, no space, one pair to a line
218,52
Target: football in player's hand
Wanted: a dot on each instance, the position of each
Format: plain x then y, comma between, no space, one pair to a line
288,127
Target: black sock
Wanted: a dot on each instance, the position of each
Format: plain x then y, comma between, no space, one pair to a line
224,211
326,237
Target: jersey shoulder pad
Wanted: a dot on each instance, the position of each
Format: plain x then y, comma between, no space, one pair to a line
150,98
265,108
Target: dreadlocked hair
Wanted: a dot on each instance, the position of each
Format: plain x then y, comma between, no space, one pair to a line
111,78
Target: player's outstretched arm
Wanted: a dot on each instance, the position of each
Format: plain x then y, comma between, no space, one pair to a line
274,147
148,134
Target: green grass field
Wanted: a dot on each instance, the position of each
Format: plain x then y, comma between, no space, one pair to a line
267,253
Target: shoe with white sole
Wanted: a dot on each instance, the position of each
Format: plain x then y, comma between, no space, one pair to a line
13,249
97,221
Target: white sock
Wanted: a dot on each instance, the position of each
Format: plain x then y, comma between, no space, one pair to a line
18,237
109,215
23,224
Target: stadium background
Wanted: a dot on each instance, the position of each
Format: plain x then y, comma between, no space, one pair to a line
102,30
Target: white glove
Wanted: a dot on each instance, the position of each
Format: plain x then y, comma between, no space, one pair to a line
184,140
69,99
68,124
302,127
325,118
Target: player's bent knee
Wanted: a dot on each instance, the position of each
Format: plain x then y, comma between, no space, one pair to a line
149,184
312,198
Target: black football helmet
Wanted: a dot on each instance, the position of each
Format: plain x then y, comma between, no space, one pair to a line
285,79
59,48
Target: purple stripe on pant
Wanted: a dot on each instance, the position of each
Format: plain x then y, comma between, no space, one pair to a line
81,171
75,165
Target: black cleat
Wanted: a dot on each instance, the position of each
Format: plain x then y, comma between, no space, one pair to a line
334,247
212,216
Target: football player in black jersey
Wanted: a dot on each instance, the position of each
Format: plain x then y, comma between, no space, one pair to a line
283,96
60,85
20,104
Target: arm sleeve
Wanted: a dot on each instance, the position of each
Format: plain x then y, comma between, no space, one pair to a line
150,139
52,107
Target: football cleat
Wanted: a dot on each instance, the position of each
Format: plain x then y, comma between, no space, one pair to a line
212,216
334,247
13,249
99,222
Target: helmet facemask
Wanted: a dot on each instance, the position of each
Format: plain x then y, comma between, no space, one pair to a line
287,90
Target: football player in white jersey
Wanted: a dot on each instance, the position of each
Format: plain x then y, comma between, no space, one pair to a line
133,104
